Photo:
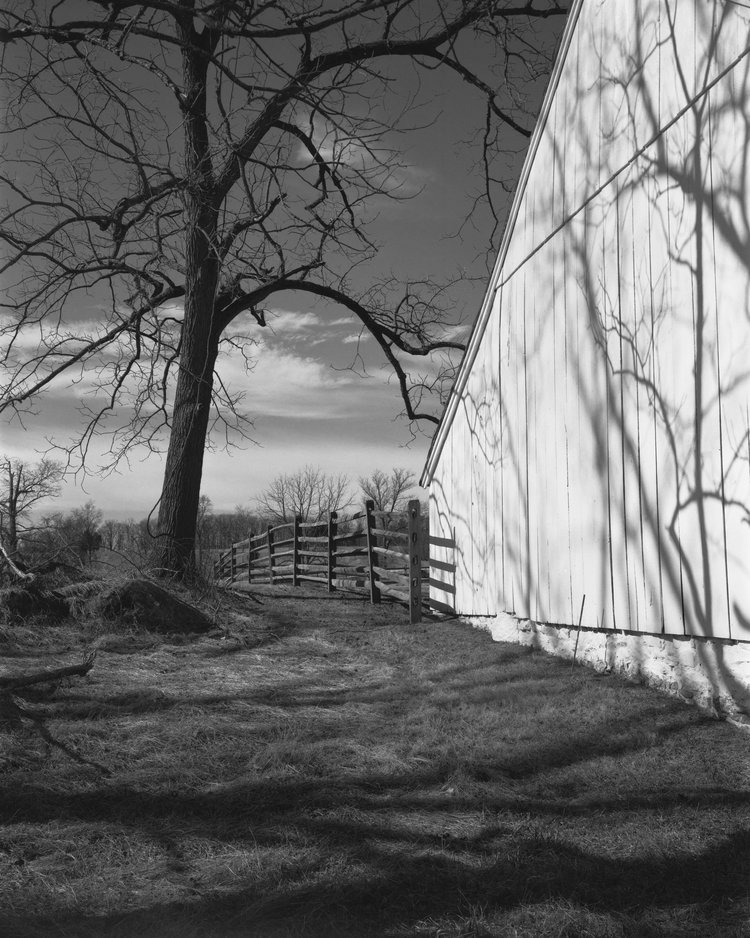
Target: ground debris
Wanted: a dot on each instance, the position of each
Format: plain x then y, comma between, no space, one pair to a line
20,603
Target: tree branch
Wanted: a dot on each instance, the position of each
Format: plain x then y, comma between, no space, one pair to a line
48,675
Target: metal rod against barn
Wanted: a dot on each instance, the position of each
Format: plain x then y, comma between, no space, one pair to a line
578,633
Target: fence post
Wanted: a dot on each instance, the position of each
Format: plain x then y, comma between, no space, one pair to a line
249,556
295,552
233,568
415,562
332,527
371,544
269,538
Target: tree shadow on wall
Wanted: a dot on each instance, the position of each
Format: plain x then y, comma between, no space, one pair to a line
656,253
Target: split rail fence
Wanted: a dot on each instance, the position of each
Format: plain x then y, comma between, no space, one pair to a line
385,553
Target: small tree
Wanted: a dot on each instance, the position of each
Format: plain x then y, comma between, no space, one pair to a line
389,492
110,532
134,541
73,537
309,494
205,510
83,531
22,486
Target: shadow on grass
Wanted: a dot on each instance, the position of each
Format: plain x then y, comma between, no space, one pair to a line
257,810
346,848
297,693
377,880
602,736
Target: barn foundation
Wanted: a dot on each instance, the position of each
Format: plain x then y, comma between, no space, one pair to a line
714,674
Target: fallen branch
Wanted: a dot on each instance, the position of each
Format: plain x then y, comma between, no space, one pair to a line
50,674
13,712
49,739
16,571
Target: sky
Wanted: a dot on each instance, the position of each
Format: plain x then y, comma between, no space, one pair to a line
306,407
306,404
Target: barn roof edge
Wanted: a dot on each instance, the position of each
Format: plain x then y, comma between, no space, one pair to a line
480,324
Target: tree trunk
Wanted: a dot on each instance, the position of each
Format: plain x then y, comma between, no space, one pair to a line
12,505
199,340
182,480
178,510
12,545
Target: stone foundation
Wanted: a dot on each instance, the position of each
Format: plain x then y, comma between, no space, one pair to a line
714,674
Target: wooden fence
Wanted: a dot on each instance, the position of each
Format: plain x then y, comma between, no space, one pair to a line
384,553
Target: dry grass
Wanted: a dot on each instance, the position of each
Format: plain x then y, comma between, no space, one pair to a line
318,767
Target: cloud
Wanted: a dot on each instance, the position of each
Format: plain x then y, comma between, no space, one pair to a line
303,410
294,322
458,332
283,382
356,339
289,327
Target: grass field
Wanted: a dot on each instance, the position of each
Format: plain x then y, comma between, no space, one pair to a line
318,767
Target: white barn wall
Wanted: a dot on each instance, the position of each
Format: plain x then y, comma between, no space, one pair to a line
600,443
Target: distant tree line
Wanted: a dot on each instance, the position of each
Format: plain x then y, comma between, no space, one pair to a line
32,541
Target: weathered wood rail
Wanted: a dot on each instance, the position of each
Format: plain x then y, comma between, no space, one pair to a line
384,553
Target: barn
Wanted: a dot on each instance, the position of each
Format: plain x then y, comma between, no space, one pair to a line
592,466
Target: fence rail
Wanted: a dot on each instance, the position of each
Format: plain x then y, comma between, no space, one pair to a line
387,554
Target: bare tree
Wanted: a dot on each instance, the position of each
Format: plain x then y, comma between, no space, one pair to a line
309,494
388,491
73,537
174,165
205,510
22,486
84,531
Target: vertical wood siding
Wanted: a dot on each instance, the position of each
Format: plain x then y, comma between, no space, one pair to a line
602,442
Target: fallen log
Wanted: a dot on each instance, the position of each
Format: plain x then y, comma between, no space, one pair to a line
13,682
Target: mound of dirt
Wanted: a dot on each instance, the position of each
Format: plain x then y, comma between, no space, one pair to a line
145,604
